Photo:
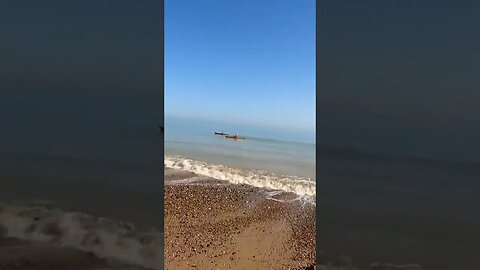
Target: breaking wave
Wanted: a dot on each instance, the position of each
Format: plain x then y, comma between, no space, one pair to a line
301,186
104,237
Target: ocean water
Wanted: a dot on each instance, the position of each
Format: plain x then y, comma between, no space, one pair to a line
106,238
101,169
82,151
95,183
398,211
276,159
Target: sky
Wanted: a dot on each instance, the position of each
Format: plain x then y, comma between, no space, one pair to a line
400,77
249,62
70,65
397,76
80,77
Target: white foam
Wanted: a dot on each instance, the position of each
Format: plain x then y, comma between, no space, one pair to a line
184,181
105,238
299,185
270,195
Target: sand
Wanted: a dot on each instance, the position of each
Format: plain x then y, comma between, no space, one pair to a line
209,224
215,225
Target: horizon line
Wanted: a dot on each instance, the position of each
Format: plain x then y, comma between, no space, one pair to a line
303,129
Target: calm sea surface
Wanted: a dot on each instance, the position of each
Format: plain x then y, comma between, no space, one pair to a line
279,152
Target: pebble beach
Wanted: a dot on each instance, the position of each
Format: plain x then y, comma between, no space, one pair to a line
211,224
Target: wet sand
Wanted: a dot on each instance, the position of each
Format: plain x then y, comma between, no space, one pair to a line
211,224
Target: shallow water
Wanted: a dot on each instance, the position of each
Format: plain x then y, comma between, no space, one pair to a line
108,169
399,211
105,238
280,152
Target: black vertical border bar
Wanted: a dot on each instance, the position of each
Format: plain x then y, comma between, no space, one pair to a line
317,129
162,125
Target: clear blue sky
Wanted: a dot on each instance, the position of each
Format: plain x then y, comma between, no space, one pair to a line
243,61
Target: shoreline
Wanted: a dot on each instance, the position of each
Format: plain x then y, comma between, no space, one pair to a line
213,224
264,180
45,237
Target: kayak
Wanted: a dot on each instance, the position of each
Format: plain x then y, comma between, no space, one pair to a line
221,133
234,137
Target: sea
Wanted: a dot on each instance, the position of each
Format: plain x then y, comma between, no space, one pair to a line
83,170
271,158
101,174
389,211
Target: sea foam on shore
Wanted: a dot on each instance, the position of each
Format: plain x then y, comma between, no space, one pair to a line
212,224
301,186
103,237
